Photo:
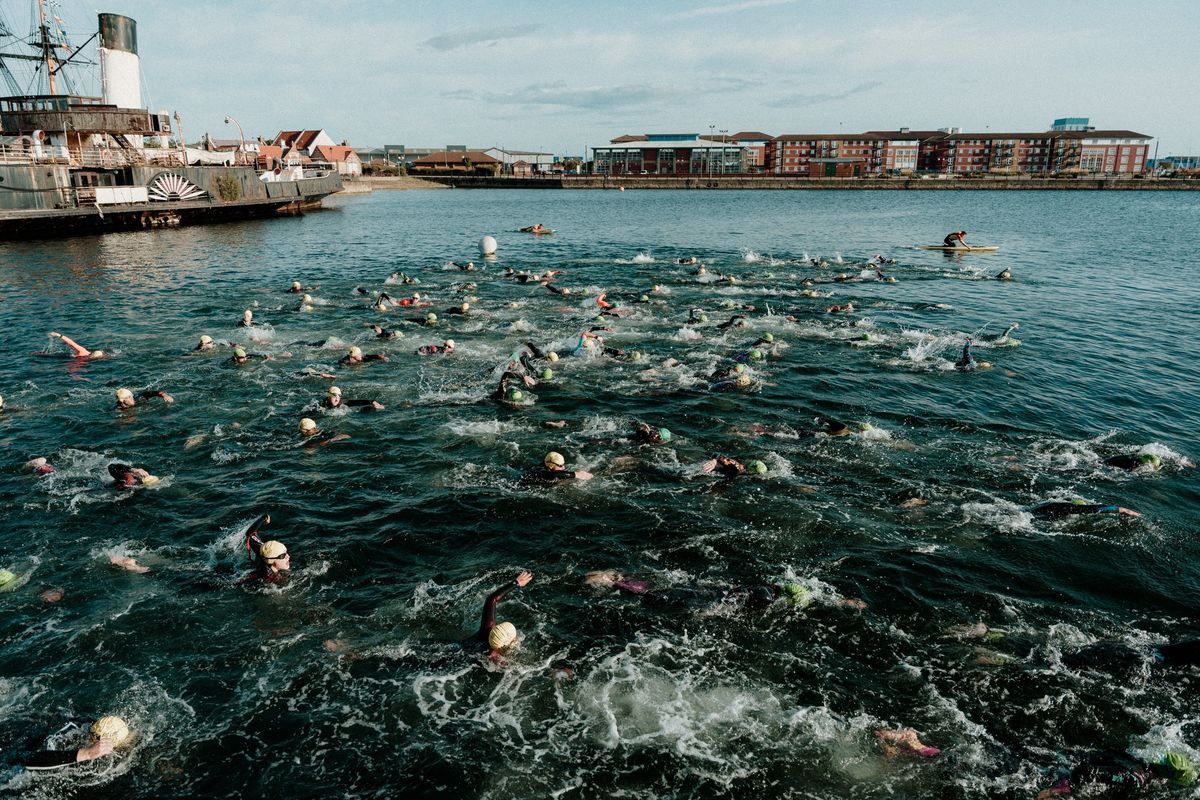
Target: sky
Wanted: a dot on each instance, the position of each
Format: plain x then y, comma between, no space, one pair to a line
557,77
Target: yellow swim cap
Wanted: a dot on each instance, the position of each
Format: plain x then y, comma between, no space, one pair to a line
333,390
307,298
466,306
554,459
111,728
502,636
307,425
205,339
552,356
272,550
124,394
355,352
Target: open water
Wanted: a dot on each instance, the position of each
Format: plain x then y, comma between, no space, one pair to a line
349,682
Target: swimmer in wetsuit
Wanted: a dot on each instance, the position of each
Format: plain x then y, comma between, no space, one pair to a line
739,382
645,434
240,356
459,311
126,477
554,470
79,350
506,388
1131,462
1127,774
247,320
498,638
315,437
106,734
1059,510
206,343
126,398
334,400
272,562
384,333
965,361
727,468
445,348
736,321
354,356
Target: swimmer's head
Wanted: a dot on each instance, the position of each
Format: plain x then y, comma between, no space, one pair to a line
756,467
355,353
554,460
743,380
547,374
502,636
308,426
124,397
552,356
239,354
644,298
430,317
275,554
205,340
448,345
111,729
335,391
7,577
1175,767
739,368
466,307
756,355
247,315
664,434
514,395
1145,459
768,337
602,578
295,286
796,592
306,299
1,402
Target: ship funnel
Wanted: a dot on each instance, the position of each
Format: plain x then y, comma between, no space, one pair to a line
120,77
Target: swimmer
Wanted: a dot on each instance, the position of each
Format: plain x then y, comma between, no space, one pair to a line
127,477
905,741
831,427
1004,341
1058,510
430,320
965,361
80,350
412,302
467,267
105,735
738,382
498,638
384,333
460,311
1004,275
1133,462
604,304
881,277
648,435
206,343
537,228
40,466
240,356
688,260
334,400
554,470
247,320
272,562
126,398
727,468
506,389
296,288
354,356
1126,773
312,436
736,321
563,291
697,315
446,348
848,307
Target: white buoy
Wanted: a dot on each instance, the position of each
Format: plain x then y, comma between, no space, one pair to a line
487,245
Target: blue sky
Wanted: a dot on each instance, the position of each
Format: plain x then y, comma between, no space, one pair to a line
558,76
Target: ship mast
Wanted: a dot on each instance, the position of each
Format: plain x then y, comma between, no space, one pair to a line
47,47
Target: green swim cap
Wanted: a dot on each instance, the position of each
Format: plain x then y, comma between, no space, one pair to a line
739,368
866,337
239,352
7,577
797,593
1178,769
635,355
547,374
1151,459
514,395
727,304
1078,502
704,317
644,298
431,317
756,355
664,434
768,337
757,467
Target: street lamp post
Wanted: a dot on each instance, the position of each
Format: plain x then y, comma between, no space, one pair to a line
241,138
711,128
724,142
182,141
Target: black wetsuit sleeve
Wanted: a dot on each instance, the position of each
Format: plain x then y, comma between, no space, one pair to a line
547,475
253,542
374,357
1068,509
488,621
148,394
357,403
533,348
48,759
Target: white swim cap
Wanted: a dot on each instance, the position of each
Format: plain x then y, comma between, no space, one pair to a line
333,390
112,729
124,395
554,459
205,339
272,550
356,352
307,425
502,636
449,344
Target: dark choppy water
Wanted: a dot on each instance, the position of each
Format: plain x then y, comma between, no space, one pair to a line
400,532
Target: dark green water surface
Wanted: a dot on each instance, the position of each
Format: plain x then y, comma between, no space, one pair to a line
349,681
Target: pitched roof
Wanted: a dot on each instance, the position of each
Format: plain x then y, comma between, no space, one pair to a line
270,151
629,137
751,136
455,157
301,139
335,153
